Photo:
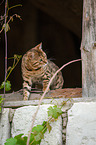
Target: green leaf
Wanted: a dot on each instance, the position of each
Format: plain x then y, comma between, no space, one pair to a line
11,141
50,111
54,112
44,124
1,101
49,127
58,110
25,139
6,27
18,136
33,140
17,140
21,140
39,136
7,86
37,129
0,109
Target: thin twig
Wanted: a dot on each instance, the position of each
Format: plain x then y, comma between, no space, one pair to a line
12,68
19,5
11,17
34,116
5,47
2,17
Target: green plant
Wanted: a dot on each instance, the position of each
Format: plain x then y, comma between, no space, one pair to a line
7,83
1,101
5,26
38,131
10,69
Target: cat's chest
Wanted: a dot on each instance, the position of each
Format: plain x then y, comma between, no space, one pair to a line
43,76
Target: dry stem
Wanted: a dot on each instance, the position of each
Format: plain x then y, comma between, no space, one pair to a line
34,116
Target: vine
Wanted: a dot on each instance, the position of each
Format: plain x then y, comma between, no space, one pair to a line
5,20
36,133
6,82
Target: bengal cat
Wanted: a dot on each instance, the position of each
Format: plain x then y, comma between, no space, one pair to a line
36,68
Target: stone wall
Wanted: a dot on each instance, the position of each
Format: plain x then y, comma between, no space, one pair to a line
81,127
76,126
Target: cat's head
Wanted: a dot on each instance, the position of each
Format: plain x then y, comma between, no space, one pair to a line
36,57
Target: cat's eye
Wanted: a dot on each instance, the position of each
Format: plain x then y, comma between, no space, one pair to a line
41,60
29,55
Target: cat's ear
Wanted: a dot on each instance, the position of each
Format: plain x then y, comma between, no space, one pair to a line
39,46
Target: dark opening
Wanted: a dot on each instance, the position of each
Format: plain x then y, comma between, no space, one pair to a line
59,29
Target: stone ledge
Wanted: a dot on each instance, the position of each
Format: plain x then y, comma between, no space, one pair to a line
59,101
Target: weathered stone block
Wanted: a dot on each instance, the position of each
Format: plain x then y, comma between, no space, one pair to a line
81,127
23,118
4,126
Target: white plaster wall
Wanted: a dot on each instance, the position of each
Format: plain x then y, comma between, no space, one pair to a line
23,118
81,127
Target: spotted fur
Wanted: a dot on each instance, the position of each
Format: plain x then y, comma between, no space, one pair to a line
36,68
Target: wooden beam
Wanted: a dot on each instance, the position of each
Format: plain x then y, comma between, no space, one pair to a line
88,49
15,99
59,93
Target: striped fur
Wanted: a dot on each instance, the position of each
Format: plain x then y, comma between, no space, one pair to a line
36,68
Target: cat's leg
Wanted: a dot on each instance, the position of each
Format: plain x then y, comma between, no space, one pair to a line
45,84
58,82
26,89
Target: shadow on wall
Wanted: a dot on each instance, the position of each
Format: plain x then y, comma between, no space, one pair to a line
60,44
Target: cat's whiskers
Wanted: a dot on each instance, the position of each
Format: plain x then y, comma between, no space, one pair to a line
51,58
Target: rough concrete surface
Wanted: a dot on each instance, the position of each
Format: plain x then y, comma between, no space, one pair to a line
81,127
23,118
4,126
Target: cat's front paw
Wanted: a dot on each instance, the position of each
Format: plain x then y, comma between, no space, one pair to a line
25,98
45,89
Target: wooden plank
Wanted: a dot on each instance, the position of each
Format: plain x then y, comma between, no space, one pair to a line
15,99
58,93
88,49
